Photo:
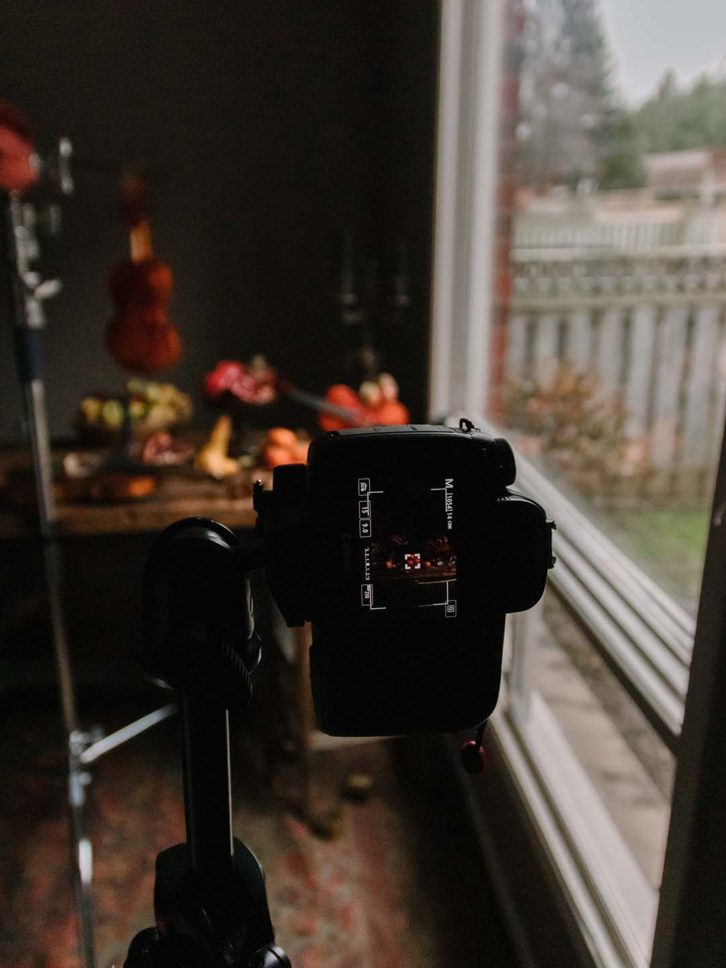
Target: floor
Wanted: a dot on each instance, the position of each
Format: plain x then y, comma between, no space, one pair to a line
396,883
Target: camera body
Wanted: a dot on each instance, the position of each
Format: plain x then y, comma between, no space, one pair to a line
405,548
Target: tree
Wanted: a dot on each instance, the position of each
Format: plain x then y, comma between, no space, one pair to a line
573,126
566,93
619,157
677,118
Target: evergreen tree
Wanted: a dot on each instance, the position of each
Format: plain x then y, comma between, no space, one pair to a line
566,94
619,156
573,126
677,118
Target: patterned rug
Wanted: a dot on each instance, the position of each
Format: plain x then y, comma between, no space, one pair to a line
399,886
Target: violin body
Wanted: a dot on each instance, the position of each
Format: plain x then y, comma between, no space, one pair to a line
142,340
145,282
140,336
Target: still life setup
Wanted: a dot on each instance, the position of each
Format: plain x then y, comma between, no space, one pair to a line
364,534
135,443
139,459
362,485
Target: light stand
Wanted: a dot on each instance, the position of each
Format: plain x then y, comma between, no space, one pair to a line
26,293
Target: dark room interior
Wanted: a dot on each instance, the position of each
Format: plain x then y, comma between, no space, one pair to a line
362,393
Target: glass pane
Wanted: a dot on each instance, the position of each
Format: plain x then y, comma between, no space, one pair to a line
608,370
623,757
609,358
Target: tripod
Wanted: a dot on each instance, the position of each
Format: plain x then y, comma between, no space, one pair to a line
209,897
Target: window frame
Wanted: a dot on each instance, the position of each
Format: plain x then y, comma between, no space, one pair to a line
642,633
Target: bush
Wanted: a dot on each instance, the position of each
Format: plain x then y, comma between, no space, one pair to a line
579,429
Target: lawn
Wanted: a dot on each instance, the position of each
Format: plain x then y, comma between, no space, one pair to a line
669,543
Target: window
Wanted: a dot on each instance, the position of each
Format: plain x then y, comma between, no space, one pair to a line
580,306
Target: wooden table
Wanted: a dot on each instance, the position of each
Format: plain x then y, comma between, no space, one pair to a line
182,494
178,495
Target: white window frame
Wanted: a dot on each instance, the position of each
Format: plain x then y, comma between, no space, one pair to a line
466,178
644,636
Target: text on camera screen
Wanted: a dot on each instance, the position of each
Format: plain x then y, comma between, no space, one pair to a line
408,556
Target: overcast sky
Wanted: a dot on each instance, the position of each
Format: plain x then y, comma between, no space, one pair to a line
648,36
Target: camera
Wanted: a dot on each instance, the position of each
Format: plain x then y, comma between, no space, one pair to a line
405,547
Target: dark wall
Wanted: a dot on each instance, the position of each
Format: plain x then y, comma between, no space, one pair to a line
273,126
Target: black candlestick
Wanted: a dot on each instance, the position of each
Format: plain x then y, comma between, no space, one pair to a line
372,313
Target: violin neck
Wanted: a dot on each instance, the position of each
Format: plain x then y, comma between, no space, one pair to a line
140,241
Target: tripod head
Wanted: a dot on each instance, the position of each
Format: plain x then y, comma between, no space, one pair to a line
198,626
209,897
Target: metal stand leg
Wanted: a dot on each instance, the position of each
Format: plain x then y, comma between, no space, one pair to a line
78,780
27,313
81,748
76,741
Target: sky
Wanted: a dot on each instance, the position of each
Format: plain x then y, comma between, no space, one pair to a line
648,36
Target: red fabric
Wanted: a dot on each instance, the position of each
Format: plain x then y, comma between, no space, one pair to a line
17,171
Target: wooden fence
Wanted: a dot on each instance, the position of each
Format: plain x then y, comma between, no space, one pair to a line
651,326
541,233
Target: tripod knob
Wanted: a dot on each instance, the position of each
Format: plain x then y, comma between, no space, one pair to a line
270,957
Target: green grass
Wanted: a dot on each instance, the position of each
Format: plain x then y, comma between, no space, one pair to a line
669,543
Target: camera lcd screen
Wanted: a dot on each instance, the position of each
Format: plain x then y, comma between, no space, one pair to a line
408,557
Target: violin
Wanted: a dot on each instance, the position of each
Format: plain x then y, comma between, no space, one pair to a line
140,336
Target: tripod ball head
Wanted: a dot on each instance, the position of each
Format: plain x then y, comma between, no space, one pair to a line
199,633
